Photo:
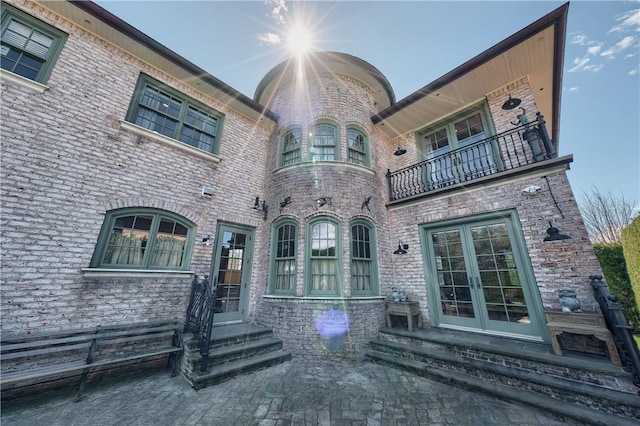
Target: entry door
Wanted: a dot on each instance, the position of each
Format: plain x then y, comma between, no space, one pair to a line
231,271
480,279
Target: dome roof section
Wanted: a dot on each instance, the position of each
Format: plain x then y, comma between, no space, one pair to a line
331,62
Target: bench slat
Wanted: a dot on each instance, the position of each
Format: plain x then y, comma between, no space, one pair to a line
115,340
48,350
12,347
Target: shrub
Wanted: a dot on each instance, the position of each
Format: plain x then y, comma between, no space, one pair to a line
631,249
614,267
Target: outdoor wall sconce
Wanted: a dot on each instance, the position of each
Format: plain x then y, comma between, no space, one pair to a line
285,203
554,234
323,201
207,190
402,248
261,207
207,240
511,103
400,151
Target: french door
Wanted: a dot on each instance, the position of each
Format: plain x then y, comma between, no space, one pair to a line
480,278
231,270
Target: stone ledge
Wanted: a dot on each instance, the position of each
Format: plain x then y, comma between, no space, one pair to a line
103,273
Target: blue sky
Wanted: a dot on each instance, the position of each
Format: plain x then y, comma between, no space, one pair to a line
414,42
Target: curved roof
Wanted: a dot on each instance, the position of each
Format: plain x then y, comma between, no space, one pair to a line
332,62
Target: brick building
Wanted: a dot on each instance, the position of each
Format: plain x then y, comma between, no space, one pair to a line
127,169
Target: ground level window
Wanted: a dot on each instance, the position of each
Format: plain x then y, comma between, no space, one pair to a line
323,273
284,268
144,239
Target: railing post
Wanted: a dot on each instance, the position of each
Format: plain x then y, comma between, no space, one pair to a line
389,183
546,140
205,341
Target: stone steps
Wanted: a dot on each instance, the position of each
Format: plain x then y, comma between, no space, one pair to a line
586,389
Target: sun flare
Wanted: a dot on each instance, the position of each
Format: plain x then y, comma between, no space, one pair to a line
299,40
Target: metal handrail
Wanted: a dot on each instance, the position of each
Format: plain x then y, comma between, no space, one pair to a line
619,327
200,313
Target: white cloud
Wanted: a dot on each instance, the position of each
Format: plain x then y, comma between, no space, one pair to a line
269,39
278,8
572,89
623,44
580,39
634,71
629,21
594,68
594,50
580,63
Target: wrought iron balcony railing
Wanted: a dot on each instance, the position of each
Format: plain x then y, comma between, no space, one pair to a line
518,147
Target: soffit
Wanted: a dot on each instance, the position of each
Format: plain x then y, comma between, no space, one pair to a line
107,26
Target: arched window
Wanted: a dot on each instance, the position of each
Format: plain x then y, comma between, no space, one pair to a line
144,239
291,142
284,258
357,147
324,143
324,250
364,276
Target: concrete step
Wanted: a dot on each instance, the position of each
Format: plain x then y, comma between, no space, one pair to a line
227,353
221,372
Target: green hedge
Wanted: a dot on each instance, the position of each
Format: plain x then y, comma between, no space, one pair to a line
631,248
614,268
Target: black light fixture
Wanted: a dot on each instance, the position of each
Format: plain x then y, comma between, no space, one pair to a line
400,151
261,207
285,203
402,248
207,240
554,234
511,103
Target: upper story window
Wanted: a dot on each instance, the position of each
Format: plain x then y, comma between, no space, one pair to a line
144,239
323,258
284,255
161,109
29,47
363,260
324,143
291,142
357,147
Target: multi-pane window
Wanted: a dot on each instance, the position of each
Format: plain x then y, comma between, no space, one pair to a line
143,239
363,276
284,259
29,47
357,147
323,261
161,109
291,146
324,143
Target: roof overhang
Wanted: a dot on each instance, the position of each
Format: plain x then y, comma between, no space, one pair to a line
109,27
535,52
326,62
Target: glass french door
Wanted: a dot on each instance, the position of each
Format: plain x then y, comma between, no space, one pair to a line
480,279
231,271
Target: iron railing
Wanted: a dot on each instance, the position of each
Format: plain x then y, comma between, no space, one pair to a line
200,314
619,327
523,145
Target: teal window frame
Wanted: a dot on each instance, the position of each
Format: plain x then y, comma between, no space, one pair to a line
322,261
290,154
324,142
358,154
152,249
162,109
22,56
364,265
284,255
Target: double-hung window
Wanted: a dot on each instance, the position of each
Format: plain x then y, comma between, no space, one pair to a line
29,46
357,147
159,108
363,260
323,257
144,239
284,268
324,145
291,142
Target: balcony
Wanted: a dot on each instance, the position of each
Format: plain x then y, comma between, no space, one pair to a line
514,149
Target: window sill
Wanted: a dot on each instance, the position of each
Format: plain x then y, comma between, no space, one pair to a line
22,81
103,273
283,169
322,299
133,128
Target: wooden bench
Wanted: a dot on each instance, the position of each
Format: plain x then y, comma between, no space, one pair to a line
38,358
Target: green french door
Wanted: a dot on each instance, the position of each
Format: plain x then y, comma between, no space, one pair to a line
231,270
481,279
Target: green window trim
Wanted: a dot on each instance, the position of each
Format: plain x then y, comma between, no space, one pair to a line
358,147
284,255
323,258
30,47
324,142
364,267
290,146
159,108
144,239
